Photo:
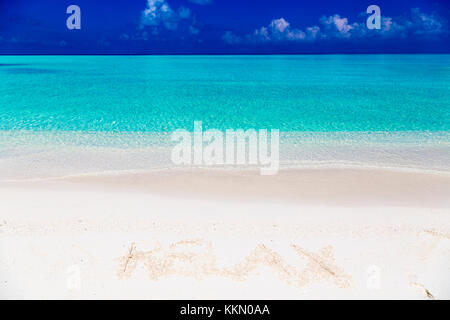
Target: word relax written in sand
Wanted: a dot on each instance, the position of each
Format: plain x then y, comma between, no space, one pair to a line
197,259
232,147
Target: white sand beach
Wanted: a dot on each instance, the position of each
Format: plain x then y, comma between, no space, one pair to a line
219,234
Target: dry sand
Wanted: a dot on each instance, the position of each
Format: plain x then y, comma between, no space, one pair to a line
334,233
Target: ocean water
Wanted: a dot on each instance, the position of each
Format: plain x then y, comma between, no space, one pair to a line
162,93
391,110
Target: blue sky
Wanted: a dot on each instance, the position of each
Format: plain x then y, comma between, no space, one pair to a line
223,27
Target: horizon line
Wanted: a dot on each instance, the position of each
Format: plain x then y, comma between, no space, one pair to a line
219,54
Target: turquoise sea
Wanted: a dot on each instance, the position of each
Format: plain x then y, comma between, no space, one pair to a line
318,101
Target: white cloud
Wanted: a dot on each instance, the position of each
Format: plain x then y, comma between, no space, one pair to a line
313,32
337,27
159,13
280,30
159,16
279,24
